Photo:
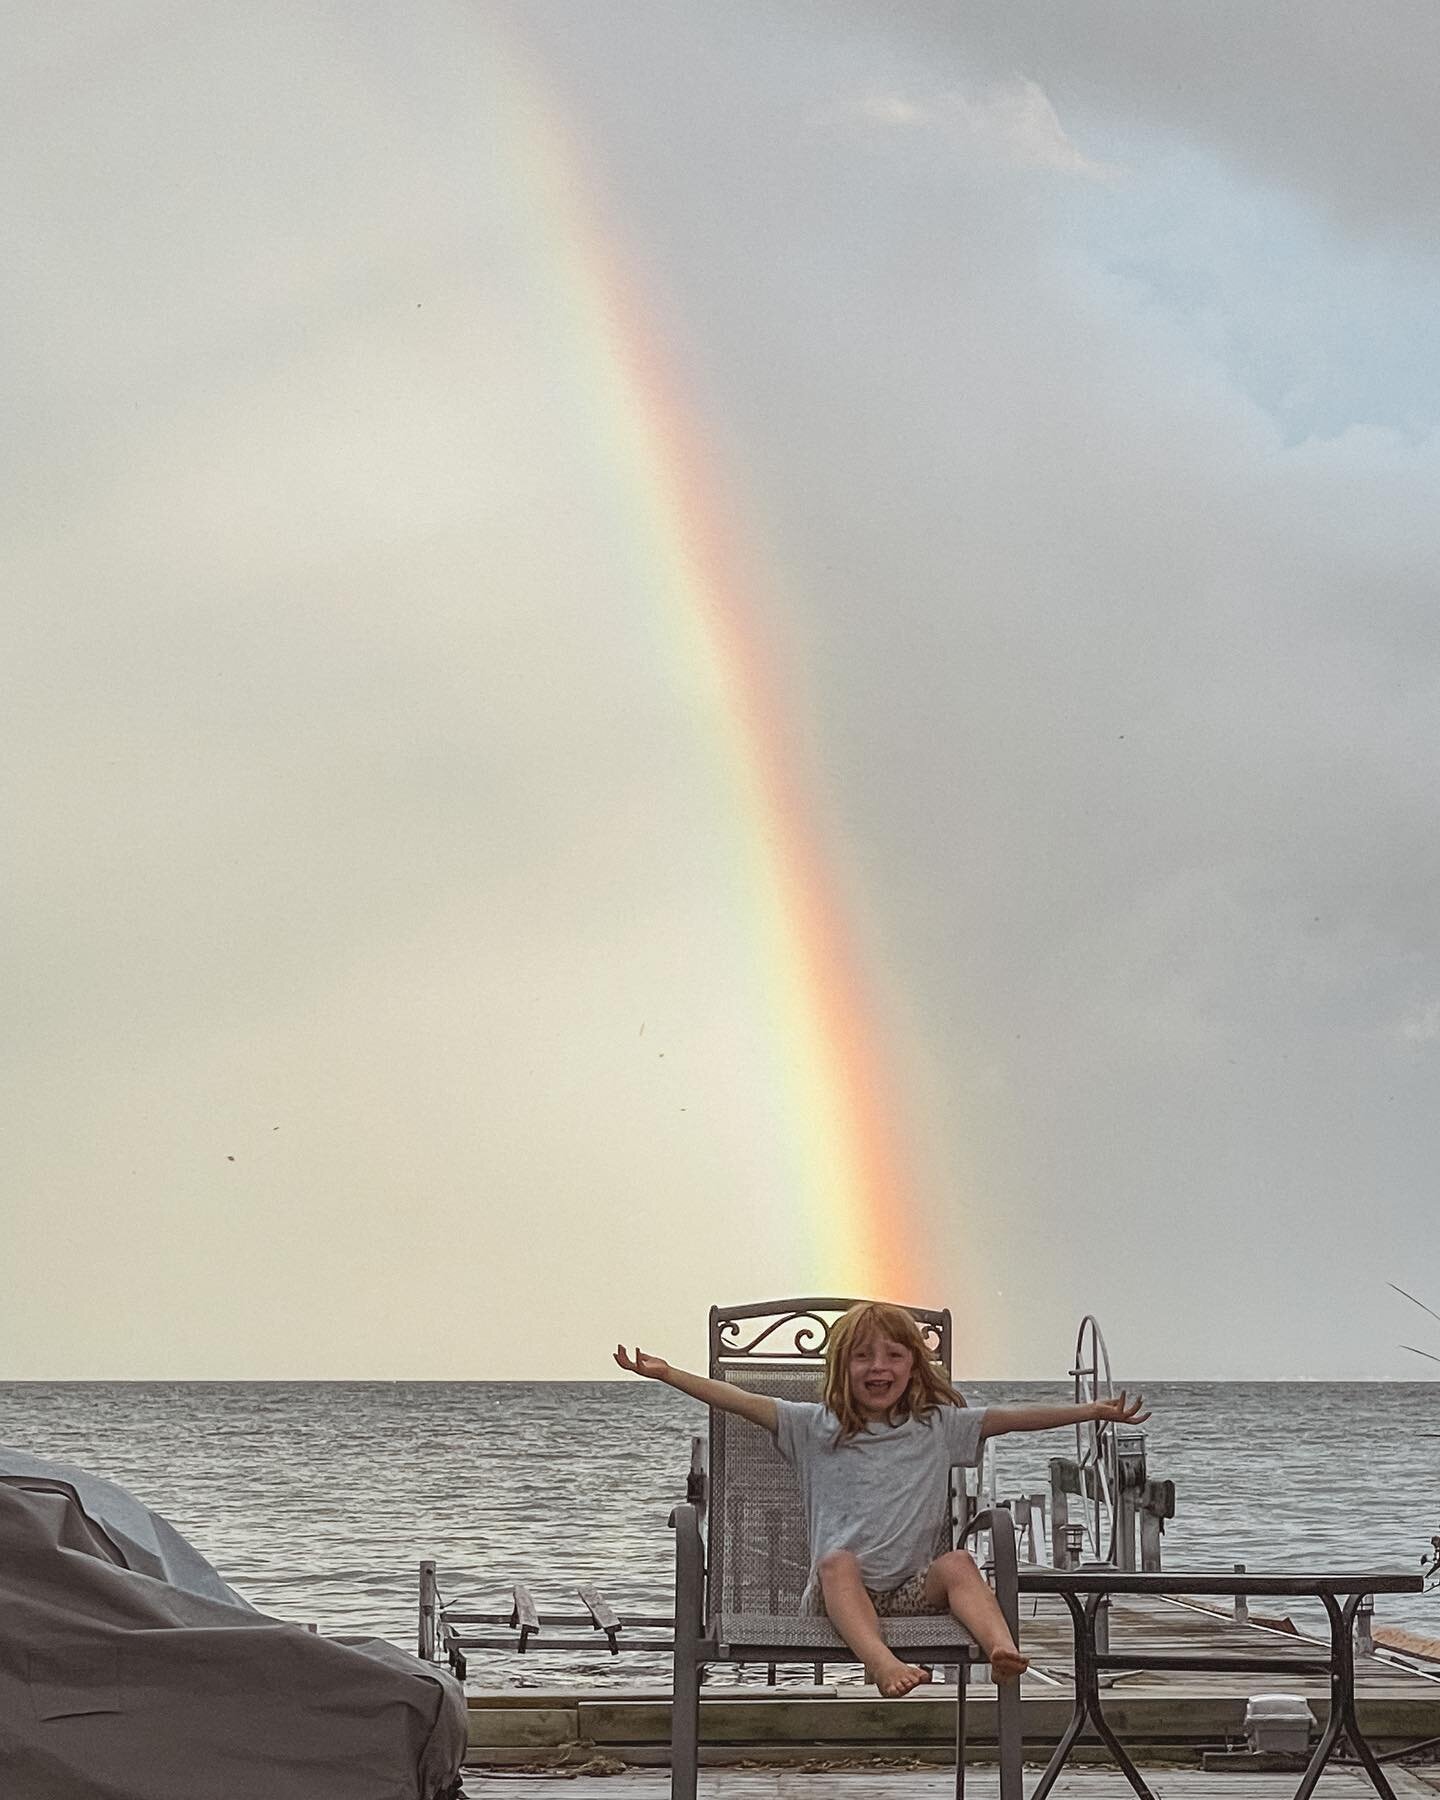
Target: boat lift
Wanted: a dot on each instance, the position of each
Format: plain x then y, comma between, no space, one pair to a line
443,1632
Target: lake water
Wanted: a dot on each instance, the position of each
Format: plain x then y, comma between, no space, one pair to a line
319,1500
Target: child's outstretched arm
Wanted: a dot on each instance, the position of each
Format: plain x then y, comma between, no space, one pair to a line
758,1408
1118,1411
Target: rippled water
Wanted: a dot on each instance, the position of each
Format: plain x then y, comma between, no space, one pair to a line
318,1500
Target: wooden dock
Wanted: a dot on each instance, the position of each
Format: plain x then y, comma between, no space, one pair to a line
938,1784
1159,1717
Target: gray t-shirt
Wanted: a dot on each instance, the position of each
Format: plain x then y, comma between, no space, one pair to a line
883,1493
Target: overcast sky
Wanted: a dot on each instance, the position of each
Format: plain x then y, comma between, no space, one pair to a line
384,992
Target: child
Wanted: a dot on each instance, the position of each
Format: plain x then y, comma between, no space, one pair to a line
873,1459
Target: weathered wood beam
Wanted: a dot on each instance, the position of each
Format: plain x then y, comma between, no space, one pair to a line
602,1616
523,1614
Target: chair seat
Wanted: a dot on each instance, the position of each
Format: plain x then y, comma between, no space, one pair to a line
747,1635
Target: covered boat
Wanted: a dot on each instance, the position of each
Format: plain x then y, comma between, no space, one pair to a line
129,1670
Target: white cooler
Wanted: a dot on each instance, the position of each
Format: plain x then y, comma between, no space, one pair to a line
1279,1723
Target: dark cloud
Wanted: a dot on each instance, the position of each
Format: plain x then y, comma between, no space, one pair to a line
1326,101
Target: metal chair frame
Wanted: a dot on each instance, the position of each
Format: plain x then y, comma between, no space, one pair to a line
783,1339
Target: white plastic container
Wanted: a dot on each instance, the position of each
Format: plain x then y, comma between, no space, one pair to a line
1279,1724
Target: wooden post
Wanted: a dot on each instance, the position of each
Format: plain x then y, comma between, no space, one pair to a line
698,1480
1026,1521
1059,1517
1156,1504
1242,1601
428,1600
1130,1483
1125,1527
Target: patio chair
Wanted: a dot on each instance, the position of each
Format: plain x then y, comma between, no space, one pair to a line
740,1603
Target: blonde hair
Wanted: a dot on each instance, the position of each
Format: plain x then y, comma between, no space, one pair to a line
929,1386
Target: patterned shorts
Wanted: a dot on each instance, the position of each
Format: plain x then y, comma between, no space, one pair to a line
904,1602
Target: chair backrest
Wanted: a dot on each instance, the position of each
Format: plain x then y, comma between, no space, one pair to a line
758,1556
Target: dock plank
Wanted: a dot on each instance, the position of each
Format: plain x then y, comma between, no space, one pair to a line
982,1783
1169,1713
1144,1623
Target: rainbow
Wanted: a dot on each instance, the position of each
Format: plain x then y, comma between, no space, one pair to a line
858,1190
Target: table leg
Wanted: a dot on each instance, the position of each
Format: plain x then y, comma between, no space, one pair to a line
1343,1716
1087,1706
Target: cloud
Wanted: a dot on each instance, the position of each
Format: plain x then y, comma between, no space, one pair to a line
1329,101
359,788
888,109
1011,122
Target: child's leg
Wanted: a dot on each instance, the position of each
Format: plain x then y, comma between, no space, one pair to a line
852,1613
954,1581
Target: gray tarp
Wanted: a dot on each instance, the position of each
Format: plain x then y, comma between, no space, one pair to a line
130,1671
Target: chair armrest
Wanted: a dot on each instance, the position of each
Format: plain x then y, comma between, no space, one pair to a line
1000,1523
689,1570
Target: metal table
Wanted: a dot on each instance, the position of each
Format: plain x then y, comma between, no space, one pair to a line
1085,1590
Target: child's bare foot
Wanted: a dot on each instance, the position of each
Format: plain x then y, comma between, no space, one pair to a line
894,1677
1006,1662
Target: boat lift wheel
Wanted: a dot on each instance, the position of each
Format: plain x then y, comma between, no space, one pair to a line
1095,1443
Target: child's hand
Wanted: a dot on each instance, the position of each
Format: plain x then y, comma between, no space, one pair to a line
1121,1411
653,1368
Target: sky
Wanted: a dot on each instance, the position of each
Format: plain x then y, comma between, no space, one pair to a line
661,654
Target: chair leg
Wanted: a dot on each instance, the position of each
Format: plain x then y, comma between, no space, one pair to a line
1011,1745
688,1655
685,1727
1011,1740
962,1683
